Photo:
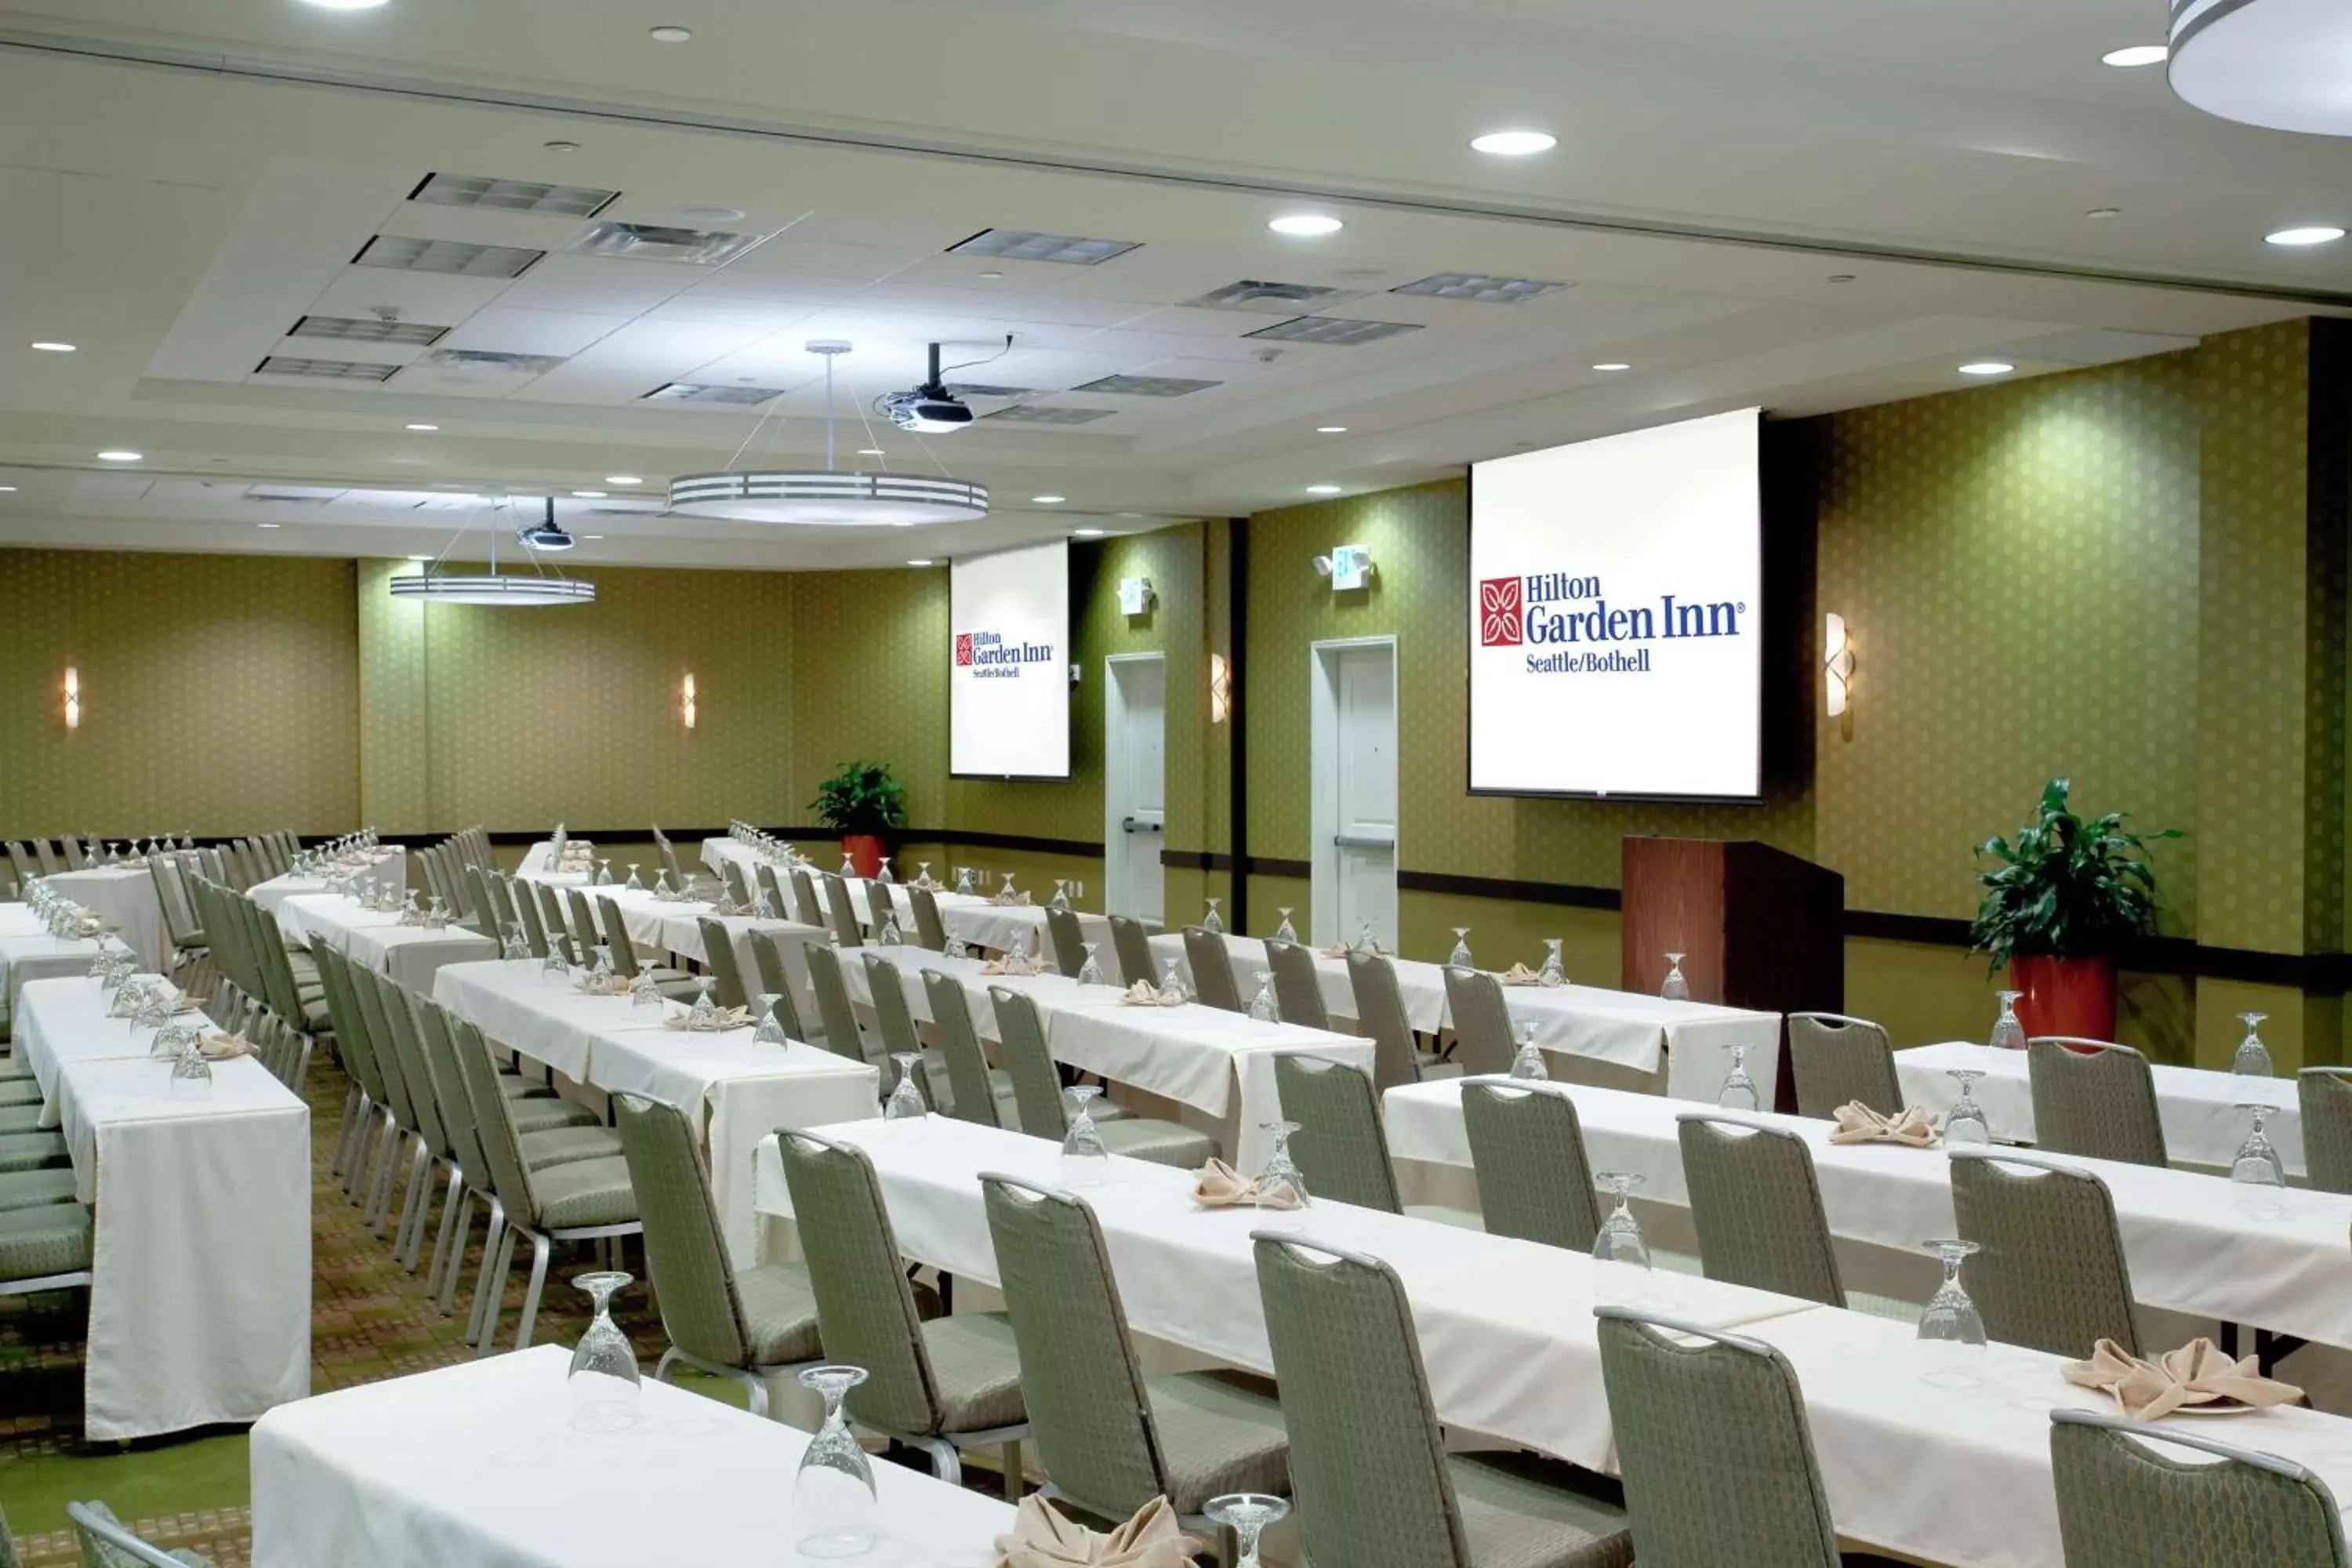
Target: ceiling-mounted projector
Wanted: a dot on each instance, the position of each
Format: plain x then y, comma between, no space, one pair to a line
929,409
546,533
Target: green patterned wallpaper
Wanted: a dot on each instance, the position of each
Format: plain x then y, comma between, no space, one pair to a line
219,693
868,677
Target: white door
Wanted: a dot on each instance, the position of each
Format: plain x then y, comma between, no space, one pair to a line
1136,792
1355,862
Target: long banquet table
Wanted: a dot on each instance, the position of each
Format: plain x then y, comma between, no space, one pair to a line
410,954
1218,1063
2198,1107
200,1294
1956,1475
31,953
479,1464
2269,1257
1626,1028
123,897
734,1091
386,864
675,926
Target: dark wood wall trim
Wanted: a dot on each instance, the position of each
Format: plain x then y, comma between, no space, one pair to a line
1237,713
1022,843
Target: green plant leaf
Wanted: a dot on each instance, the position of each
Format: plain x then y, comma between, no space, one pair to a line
2065,889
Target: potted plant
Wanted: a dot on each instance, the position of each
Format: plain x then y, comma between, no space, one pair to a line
2058,904
862,803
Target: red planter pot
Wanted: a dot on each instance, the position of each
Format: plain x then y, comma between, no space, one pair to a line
2065,996
865,852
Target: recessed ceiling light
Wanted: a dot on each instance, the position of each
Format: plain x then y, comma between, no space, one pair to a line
1331,429
55,348
1323,490
670,35
991,275
345,5
2103,213
7,490
872,452
1612,364
117,456
708,213
1306,225
2134,55
268,525
420,558
421,425
2314,234
1987,367
1840,276
587,495
1514,143
920,560
1086,533
623,480
592,536
561,146
1048,500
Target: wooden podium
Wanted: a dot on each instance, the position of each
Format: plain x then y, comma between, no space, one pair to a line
1758,927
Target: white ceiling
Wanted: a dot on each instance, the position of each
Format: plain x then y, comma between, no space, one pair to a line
187,179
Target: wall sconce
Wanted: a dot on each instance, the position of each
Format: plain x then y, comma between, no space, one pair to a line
73,697
1348,566
1135,595
686,700
1221,689
1837,670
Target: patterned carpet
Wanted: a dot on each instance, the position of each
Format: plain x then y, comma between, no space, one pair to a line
370,1321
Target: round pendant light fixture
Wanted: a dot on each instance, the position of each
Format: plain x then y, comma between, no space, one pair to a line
830,497
541,586
2274,63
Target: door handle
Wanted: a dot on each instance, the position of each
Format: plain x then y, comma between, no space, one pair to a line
1131,825
1354,841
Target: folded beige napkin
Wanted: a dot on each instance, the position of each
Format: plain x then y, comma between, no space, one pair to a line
1143,993
1011,901
1858,1123
1220,1186
2199,1373
728,1018
610,985
1042,1538
1520,975
929,884
184,1005
1342,950
1037,966
218,1046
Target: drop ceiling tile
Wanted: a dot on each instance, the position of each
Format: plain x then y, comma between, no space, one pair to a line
480,225
789,256
1228,371
422,381
418,296
510,330
920,234
1195,322
344,349
770,313
601,285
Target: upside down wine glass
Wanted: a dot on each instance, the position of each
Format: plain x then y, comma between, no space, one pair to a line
1086,1159
604,1384
2257,1162
2008,1032
1528,1063
1246,1514
771,1031
1090,971
1553,972
1965,1123
1214,920
1286,932
832,1490
905,1102
1675,989
1262,1006
1171,984
2253,1058
1619,1239
1281,1170
1951,1337
1738,1090
1460,957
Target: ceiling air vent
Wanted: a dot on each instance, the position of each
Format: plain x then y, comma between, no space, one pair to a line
325,369
1336,331
1147,386
511,195
397,254
1478,287
302,495
1265,299
968,389
690,392
1021,245
370,330
488,359
1047,414
649,242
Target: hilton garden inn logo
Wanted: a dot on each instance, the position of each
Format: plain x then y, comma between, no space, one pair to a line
987,654
1572,618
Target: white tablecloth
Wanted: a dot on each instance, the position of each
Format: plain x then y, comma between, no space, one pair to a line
1219,1063
125,899
2197,1244
29,955
1958,1475
735,1093
387,864
477,1465
2199,1108
677,927
71,1024
534,868
410,954
200,1300
1627,1028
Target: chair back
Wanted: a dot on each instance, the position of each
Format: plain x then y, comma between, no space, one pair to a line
1088,1413
1297,984
864,1307
669,860
483,912
1368,1470
2094,1099
1131,945
768,958
1036,1088
2325,1096
886,989
841,1035
881,907
1712,1441
2049,1270
1836,1059
843,911
719,956
27,867
525,910
391,1057
437,1042
584,930
1338,1146
615,932
1526,1150
1070,942
180,920
1482,1022
1757,1206
1212,963
2122,1504
1380,1017
929,930
507,1172
686,1250
48,857
807,907
400,1027
351,1037
968,1079
573,944
739,886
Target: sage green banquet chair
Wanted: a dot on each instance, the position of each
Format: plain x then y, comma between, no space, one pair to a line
1132,946
35,1189
27,867
1038,1095
1713,1446
2325,1096
1836,1059
2124,1504
745,1325
718,957
1338,1146
768,958
982,1094
779,906
22,1152
1110,1439
808,906
2049,1272
47,856
843,911
1297,984
2094,1099
1757,1206
44,1246
882,908
1527,1151
947,1386
929,930
572,944
628,963
1069,940
70,849
668,852
885,987
1369,1470
527,915
1397,1056
739,886
1482,1022
1212,964
105,1543
842,1036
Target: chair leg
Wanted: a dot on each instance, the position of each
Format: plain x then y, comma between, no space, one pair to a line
1012,1461
483,1301
540,1248
355,1121
492,1287
457,1264
343,1130
661,1367
450,1199
755,1394
946,1464
378,1214
413,1214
